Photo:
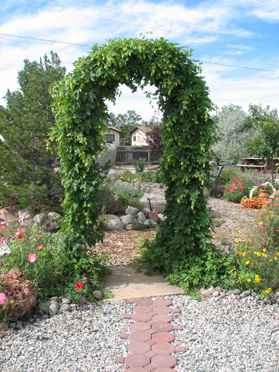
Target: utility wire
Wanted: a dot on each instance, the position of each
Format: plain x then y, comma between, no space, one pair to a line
144,17
86,45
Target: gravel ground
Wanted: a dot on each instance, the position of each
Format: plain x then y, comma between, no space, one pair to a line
220,334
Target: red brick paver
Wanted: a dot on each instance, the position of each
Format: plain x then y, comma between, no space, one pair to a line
150,338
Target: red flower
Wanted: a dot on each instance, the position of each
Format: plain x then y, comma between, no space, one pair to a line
224,190
243,179
20,236
233,178
219,195
242,187
220,185
239,253
235,181
277,228
79,286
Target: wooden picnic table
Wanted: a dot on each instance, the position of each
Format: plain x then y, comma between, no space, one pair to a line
260,164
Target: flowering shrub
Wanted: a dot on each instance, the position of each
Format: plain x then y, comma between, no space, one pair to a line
234,190
257,255
46,268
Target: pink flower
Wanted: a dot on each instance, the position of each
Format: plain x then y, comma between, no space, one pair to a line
261,228
2,239
27,216
2,227
22,223
3,298
3,223
21,231
32,257
84,278
40,247
56,170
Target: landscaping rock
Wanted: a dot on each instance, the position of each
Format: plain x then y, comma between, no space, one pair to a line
131,210
126,219
153,216
141,217
129,227
98,295
53,308
54,217
40,219
23,213
8,213
20,292
115,224
43,306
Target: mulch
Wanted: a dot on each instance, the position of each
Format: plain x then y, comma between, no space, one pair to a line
229,218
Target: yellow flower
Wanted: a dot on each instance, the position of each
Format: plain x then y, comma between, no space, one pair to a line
249,280
260,223
240,230
276,258
247,262
270,260
244,254
235,248
259,253
237,240
257,279
264,250
265,255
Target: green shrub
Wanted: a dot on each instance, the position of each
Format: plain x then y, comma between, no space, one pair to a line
139,164
126,176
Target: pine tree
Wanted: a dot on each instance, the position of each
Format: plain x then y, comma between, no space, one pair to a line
27,168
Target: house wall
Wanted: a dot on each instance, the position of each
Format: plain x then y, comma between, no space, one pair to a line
116,136
138,138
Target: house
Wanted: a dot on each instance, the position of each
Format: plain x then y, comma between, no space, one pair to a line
113,135
138,135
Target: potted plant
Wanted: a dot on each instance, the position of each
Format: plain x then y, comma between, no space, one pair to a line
263,190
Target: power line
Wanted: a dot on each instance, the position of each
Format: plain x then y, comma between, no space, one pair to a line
166,20
86,45
242,67
47,40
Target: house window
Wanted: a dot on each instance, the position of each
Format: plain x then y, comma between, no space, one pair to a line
110,138
134,138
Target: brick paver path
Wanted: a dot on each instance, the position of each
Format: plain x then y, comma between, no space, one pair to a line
150,338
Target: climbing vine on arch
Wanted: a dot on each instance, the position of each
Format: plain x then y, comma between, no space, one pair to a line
187,134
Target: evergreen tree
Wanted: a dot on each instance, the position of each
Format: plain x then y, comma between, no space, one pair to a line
27,168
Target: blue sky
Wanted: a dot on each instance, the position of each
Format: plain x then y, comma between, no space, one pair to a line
237,41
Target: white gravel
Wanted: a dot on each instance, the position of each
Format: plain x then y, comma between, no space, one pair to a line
220,334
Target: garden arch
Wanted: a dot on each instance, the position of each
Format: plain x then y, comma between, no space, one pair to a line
79,103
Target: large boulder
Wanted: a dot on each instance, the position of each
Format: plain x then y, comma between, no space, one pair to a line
115,224
20,293
109,155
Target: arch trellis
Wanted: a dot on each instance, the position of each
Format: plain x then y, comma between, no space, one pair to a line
79,103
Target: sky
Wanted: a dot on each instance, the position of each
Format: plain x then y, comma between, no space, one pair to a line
237,42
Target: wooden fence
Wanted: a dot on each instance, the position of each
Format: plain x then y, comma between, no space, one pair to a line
126,155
